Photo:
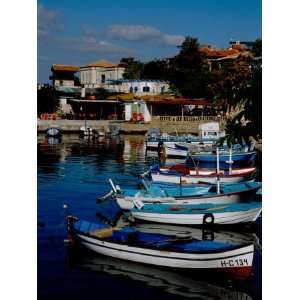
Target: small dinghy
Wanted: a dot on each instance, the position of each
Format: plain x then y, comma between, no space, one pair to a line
175,251
200,214
183,175
186,194
176,151
53,131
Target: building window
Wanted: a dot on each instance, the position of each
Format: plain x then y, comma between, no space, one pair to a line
146,89
136,89
103,78
131,90
162,89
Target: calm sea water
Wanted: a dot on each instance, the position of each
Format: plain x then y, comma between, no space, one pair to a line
74,172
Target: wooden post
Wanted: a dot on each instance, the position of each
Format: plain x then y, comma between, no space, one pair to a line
181,113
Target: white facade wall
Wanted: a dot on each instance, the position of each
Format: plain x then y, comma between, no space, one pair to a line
63,82
128,111
140,88
93,77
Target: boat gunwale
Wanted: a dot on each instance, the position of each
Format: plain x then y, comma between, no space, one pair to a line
237,247
203,196
208,175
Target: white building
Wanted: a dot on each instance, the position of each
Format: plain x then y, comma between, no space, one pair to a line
99,73
140,87
63,75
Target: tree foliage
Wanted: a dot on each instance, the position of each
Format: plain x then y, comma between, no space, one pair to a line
156,69
238,86
256,48
188,70
47,100
134,68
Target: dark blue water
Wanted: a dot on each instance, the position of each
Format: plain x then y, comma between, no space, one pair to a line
73,173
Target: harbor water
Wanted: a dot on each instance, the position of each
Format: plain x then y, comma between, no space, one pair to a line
72,172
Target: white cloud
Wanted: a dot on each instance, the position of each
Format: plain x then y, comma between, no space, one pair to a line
88,30
47,21
143,33
90,44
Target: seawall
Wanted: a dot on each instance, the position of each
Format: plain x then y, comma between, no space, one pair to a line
72,126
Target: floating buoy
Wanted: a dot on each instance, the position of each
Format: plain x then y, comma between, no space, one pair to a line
65,206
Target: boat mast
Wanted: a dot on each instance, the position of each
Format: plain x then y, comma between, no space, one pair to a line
230,159
218,172
83,96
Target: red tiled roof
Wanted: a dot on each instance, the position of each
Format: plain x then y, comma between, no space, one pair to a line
217,53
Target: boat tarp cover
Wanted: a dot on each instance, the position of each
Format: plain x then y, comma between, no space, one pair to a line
131,236
154,240
85,226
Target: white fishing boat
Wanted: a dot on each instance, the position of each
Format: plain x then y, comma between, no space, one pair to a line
200,214
53,131
161,250
191,176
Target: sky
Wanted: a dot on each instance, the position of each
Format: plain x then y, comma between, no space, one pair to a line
79,32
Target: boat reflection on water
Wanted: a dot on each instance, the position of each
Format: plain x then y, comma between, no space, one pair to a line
54,140
198,285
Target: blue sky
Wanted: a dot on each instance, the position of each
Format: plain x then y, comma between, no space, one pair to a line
79,32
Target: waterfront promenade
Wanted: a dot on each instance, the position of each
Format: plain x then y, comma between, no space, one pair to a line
168,126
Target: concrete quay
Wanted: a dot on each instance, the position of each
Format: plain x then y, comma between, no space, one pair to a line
72,126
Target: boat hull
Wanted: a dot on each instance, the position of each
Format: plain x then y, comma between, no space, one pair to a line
158,177
53,132
210,160
237,258
127,202
222,218
175,152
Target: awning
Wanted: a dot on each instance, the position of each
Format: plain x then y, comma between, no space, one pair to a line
179,102
93,101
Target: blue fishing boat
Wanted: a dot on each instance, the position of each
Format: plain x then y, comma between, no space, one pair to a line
187,194
235,160
168,250
200,214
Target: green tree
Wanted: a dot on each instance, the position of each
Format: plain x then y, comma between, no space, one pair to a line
256,48
238,87
156,69
47,100
188,70
134,68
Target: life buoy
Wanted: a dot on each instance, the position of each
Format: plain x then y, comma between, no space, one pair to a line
208,219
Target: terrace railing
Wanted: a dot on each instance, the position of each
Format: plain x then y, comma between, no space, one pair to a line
187,118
